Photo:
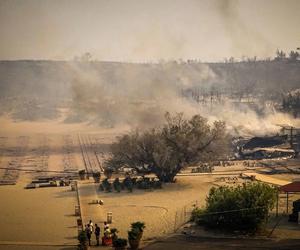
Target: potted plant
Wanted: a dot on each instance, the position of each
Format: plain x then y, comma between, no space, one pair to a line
106,185
127,182
114,234
120,244
81,174
108,172
140,226
83,241
117,185
97,176
135,234
134,238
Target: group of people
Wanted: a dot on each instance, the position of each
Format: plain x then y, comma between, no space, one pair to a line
90,230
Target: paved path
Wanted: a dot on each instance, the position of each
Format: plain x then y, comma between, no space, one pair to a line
87,194
182,242
89,211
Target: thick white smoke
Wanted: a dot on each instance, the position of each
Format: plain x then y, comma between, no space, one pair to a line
123,95
126,96
245,121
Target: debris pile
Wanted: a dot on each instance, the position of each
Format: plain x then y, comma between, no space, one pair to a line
51,181
263,142
267,147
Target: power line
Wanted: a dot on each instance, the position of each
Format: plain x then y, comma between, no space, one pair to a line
232,211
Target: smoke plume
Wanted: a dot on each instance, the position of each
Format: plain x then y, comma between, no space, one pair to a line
133,97
243,37
140,97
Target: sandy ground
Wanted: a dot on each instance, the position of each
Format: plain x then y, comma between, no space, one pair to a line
34,219
45,216
39,216
162,210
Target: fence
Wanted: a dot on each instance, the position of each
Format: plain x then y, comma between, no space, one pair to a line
78,211
183,215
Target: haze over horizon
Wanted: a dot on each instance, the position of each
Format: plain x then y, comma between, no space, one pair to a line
141,31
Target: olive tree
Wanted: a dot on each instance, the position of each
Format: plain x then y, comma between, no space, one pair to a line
164,151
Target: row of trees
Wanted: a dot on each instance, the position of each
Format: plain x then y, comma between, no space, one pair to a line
164,151
293,56
280,55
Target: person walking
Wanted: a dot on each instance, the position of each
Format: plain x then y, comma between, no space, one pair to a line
88,233
97,233
91,225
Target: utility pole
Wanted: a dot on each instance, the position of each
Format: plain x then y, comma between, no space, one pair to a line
291,139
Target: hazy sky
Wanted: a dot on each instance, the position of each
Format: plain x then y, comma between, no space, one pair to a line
140,30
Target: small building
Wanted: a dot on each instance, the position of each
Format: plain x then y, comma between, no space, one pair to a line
291,188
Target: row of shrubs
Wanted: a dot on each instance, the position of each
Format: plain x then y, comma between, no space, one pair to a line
203,169
129,184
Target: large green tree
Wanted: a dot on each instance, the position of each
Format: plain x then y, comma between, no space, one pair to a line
166,150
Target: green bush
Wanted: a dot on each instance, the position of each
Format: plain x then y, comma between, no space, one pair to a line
117,185
136,231
138,225
243,208
82,238
106,185
134,234
198,215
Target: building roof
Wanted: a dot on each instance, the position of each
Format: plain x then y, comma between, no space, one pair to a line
291,187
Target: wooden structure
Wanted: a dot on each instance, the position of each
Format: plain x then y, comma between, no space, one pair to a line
109,217
293,135
293,187
77,210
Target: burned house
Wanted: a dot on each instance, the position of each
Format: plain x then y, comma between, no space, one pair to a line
265,147
264,142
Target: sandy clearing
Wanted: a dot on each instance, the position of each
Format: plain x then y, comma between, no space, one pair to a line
156,208
42,215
